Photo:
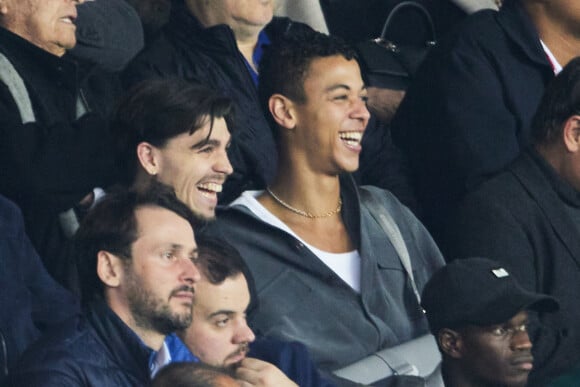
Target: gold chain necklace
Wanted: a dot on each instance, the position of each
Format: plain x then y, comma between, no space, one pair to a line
304,213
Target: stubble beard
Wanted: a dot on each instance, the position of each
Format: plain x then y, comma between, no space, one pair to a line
153,313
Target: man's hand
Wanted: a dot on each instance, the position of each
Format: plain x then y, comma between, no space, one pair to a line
254,372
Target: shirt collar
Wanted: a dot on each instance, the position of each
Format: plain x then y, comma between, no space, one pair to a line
159,359
263,41
564,190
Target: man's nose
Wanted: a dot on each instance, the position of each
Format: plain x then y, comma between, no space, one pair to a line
190,272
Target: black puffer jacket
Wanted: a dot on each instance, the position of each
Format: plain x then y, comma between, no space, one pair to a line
97,351
52,162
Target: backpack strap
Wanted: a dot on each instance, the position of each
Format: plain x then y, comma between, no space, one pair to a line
389,226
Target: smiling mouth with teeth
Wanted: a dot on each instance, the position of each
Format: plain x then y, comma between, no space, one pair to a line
210,188
351,138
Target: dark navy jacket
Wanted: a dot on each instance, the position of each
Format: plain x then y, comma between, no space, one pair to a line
30,300
521,219
467,115
97,350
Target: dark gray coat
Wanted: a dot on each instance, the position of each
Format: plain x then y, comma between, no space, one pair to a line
519,219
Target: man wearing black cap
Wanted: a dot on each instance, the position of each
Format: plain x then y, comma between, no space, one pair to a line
528,218
478,313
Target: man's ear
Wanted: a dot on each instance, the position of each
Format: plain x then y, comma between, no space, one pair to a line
571,133
148,157
450,342
109,269
282,111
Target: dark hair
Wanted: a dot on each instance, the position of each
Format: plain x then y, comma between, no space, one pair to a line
111,226
218,261
189,374
157,110
561,100
285,64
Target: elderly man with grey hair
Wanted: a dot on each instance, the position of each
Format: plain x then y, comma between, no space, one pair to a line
54,147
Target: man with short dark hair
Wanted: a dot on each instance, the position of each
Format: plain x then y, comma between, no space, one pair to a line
136,257
176,133
478,313
220,336
528,218
313,232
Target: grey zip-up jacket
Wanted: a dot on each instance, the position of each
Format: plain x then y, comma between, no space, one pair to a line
301,299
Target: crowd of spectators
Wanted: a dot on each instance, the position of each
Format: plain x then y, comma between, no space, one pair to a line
223,191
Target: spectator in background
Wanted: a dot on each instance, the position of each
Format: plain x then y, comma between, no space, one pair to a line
312,233
100,26
30,300
468,113
478,313
54,142
136,257
527,219
154,14
189,374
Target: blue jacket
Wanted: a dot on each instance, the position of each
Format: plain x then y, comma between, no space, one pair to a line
30,299
97,350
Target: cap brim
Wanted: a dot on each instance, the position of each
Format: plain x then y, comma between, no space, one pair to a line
500,312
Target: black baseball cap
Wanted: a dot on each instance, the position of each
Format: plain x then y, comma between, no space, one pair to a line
477,291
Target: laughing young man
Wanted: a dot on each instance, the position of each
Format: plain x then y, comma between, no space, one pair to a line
312,232
176,133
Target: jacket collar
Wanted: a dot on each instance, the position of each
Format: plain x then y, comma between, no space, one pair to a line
186,28
129,352
36,62
537,178
564,190
518,27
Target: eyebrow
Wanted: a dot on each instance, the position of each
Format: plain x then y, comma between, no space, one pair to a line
205,142
211,141
228,313
342,86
